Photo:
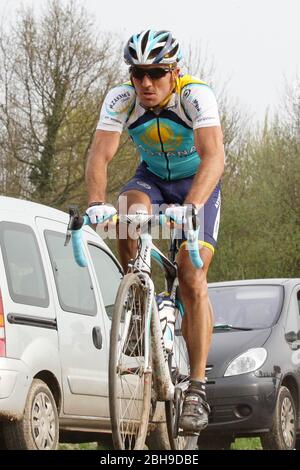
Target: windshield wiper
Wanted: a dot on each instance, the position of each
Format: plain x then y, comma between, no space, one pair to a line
224,326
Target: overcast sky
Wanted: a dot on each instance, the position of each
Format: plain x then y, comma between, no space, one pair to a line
254,43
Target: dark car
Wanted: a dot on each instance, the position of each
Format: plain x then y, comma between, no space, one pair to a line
253,369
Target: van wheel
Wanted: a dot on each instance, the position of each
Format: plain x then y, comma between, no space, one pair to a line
39,427
282,435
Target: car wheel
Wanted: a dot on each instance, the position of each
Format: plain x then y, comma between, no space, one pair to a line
39,427
282,435
214,443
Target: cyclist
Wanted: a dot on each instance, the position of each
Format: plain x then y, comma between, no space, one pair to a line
174,122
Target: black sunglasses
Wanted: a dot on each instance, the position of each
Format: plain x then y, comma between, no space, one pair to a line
154,73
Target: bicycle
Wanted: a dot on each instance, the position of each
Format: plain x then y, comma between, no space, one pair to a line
141,370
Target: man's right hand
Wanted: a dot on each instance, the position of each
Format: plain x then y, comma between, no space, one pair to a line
98,213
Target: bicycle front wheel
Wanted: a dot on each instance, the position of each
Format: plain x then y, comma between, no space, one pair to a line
129,383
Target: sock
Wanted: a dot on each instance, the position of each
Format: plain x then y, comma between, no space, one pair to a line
198,386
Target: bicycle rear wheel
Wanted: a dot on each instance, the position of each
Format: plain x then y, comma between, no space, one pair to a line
180,373
129,384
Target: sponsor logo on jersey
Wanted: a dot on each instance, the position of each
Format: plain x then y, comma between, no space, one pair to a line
122,96
186,93
195,103
119,104
191,99
180,153
163,137
145,185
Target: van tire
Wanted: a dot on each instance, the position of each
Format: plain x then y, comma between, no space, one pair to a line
40,420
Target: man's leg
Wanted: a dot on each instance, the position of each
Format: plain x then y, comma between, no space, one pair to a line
198,322
197,328
131,202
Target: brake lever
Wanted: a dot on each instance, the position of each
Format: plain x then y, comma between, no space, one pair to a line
75,222
192,219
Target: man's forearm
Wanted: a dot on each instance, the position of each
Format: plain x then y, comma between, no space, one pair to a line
205,180
96,180
104,147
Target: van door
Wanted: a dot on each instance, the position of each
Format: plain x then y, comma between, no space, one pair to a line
30,326
82,338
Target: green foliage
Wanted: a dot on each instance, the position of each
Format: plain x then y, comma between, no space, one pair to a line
260,226
252,443
247,444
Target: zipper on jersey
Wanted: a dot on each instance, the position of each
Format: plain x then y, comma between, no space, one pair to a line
162,148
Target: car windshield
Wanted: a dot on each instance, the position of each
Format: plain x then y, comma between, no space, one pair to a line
252,307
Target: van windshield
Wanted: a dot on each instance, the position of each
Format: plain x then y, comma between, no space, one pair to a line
252,307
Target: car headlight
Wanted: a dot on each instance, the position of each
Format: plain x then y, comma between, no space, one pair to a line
249,361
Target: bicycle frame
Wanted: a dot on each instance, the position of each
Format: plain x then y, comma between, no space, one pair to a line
163,385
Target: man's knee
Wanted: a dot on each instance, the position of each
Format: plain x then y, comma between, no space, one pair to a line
193,281
131,201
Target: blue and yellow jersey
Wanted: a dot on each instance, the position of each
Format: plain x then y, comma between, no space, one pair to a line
163,137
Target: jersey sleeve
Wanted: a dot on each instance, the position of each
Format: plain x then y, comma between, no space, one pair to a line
116,108
200,105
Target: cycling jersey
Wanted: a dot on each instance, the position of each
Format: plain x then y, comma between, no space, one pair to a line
164,137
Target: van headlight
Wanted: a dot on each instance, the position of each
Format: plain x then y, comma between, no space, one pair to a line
249,361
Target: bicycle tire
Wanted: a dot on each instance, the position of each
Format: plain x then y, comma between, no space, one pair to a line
179,370
129,384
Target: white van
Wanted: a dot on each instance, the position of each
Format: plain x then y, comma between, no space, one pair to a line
54,329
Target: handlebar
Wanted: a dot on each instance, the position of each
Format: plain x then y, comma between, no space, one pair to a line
74,233
77,222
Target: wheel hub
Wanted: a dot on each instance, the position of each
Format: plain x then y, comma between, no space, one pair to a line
287,422
43,422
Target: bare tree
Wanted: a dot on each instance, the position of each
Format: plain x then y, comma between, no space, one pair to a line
54,73
199,61
289,110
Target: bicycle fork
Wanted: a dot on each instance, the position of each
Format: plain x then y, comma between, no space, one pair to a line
163,386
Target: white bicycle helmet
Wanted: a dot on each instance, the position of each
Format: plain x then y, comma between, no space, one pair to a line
152,47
